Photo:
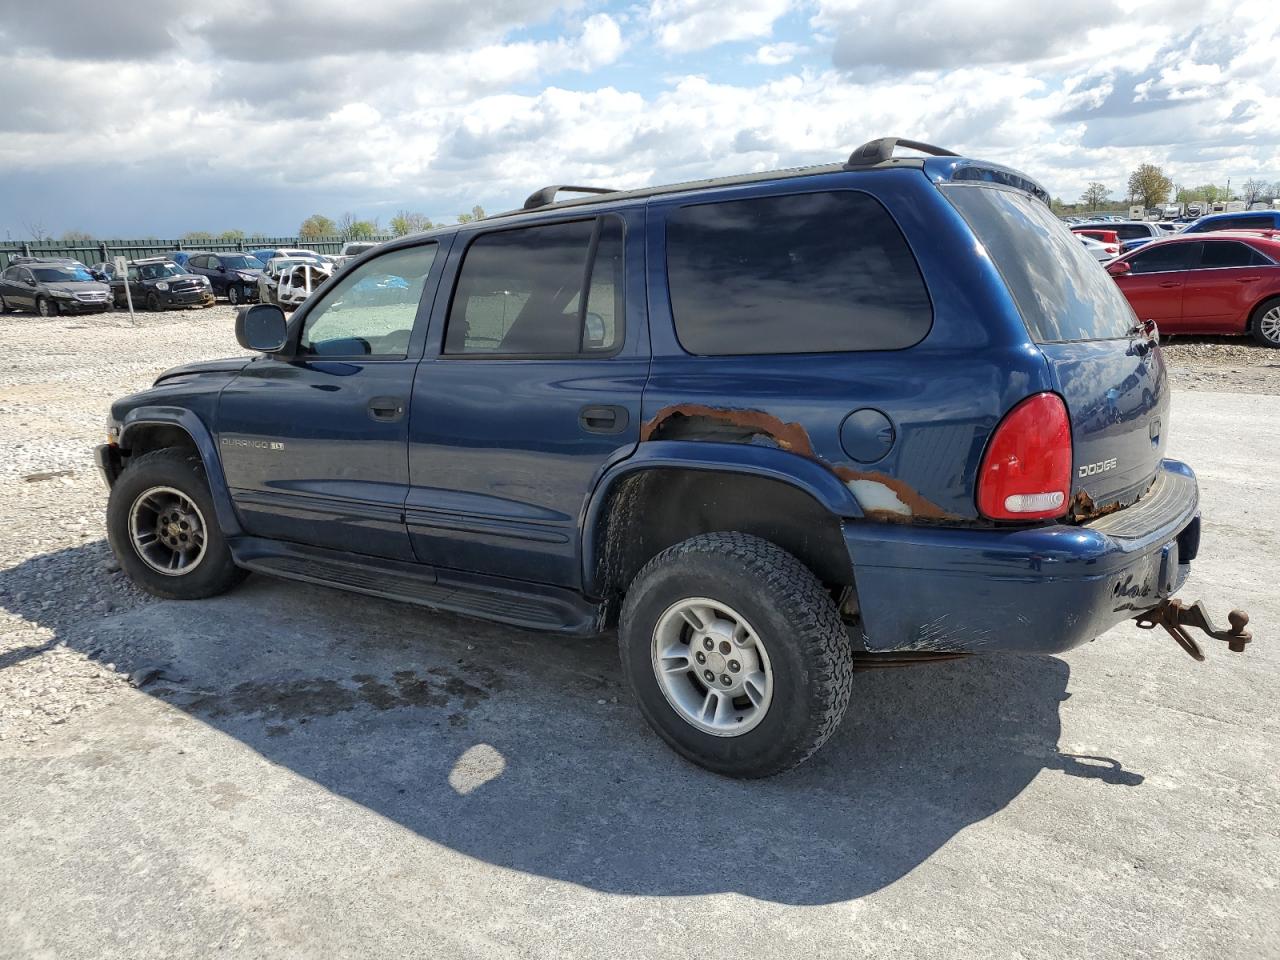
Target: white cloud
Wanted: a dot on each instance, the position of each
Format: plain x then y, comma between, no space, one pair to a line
776,54
685,25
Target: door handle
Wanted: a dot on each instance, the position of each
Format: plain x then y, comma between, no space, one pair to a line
388,409
603,419
1171,283
1247,279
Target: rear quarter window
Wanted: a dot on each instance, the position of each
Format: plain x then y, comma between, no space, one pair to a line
1061,291
798,273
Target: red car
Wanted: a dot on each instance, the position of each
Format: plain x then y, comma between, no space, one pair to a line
1227,282
1104,236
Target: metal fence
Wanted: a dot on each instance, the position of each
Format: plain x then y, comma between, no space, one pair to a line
95,251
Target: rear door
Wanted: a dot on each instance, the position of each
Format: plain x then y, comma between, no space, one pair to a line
1112,379
1221,292
528,394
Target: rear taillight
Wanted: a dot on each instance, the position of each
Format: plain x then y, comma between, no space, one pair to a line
1112,249
1026,471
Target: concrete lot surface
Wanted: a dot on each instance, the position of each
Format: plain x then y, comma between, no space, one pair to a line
314,774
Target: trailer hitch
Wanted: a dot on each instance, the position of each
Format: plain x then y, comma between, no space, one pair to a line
1176,616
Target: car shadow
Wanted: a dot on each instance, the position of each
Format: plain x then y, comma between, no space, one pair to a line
524,750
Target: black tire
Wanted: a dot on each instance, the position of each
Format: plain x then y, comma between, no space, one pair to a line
153,302
1256,323
183,471
793,614
4,307
233,294
46,307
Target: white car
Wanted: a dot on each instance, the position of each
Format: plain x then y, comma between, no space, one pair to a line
1102,252
288,281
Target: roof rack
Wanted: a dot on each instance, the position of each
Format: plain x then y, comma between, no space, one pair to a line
878,151
547,195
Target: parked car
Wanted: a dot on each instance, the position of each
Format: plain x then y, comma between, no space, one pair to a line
268,253
354,248
765,446
1223,282
157,283
1253,220
1097,233
1130,233
180,257
51,287
232,275
288,282
1102,252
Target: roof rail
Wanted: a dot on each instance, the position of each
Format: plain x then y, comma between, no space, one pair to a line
878,151
547,195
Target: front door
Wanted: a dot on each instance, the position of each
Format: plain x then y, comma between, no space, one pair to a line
314,445
1154,288
530,390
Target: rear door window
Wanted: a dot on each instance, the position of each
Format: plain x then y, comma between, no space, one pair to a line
1060,289
520,292
1230,253
1166,257
800,273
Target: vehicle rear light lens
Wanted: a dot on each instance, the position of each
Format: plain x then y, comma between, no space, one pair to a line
1026,471
1112,249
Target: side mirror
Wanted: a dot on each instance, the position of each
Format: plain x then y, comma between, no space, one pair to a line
1119,269
261,327
30,281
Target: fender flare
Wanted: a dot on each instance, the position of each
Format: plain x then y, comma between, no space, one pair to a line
202,438
807,476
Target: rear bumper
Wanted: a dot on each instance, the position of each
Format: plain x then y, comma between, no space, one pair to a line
1040,590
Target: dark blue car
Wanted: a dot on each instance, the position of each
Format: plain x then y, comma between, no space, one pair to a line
770,427
1245,220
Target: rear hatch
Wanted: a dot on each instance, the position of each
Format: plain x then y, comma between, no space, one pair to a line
1112,378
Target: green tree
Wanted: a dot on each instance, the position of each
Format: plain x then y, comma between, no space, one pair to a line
318,225
231,235
406,222
349,228
1149,185
77,236
477,213
197,235
1095,196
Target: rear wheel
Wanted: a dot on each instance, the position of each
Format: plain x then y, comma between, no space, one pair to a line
736,654
46,307
4,307
1265,323
163,528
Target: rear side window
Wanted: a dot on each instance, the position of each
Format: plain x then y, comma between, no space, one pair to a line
802,273
1166,257
1132,231
520,292
1058,286
1230,253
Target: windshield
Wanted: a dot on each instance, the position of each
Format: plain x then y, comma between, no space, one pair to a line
240,263
61,274
155,271
1061,290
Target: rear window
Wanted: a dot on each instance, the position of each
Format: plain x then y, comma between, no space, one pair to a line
1060,289
801,273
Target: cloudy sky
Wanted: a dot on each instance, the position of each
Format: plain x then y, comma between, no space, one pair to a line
144,119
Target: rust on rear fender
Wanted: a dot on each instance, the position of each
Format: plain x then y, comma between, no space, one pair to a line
882,498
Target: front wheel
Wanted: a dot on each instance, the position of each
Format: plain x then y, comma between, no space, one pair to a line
46,307
233,294
736,654
153,302
1265,324
163,528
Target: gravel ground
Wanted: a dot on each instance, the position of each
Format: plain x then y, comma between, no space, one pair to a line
1233,364
315,774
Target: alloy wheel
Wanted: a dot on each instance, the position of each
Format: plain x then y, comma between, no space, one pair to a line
1269,325
167,530
712,667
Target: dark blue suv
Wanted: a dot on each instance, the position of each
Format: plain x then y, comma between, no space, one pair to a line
771,427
